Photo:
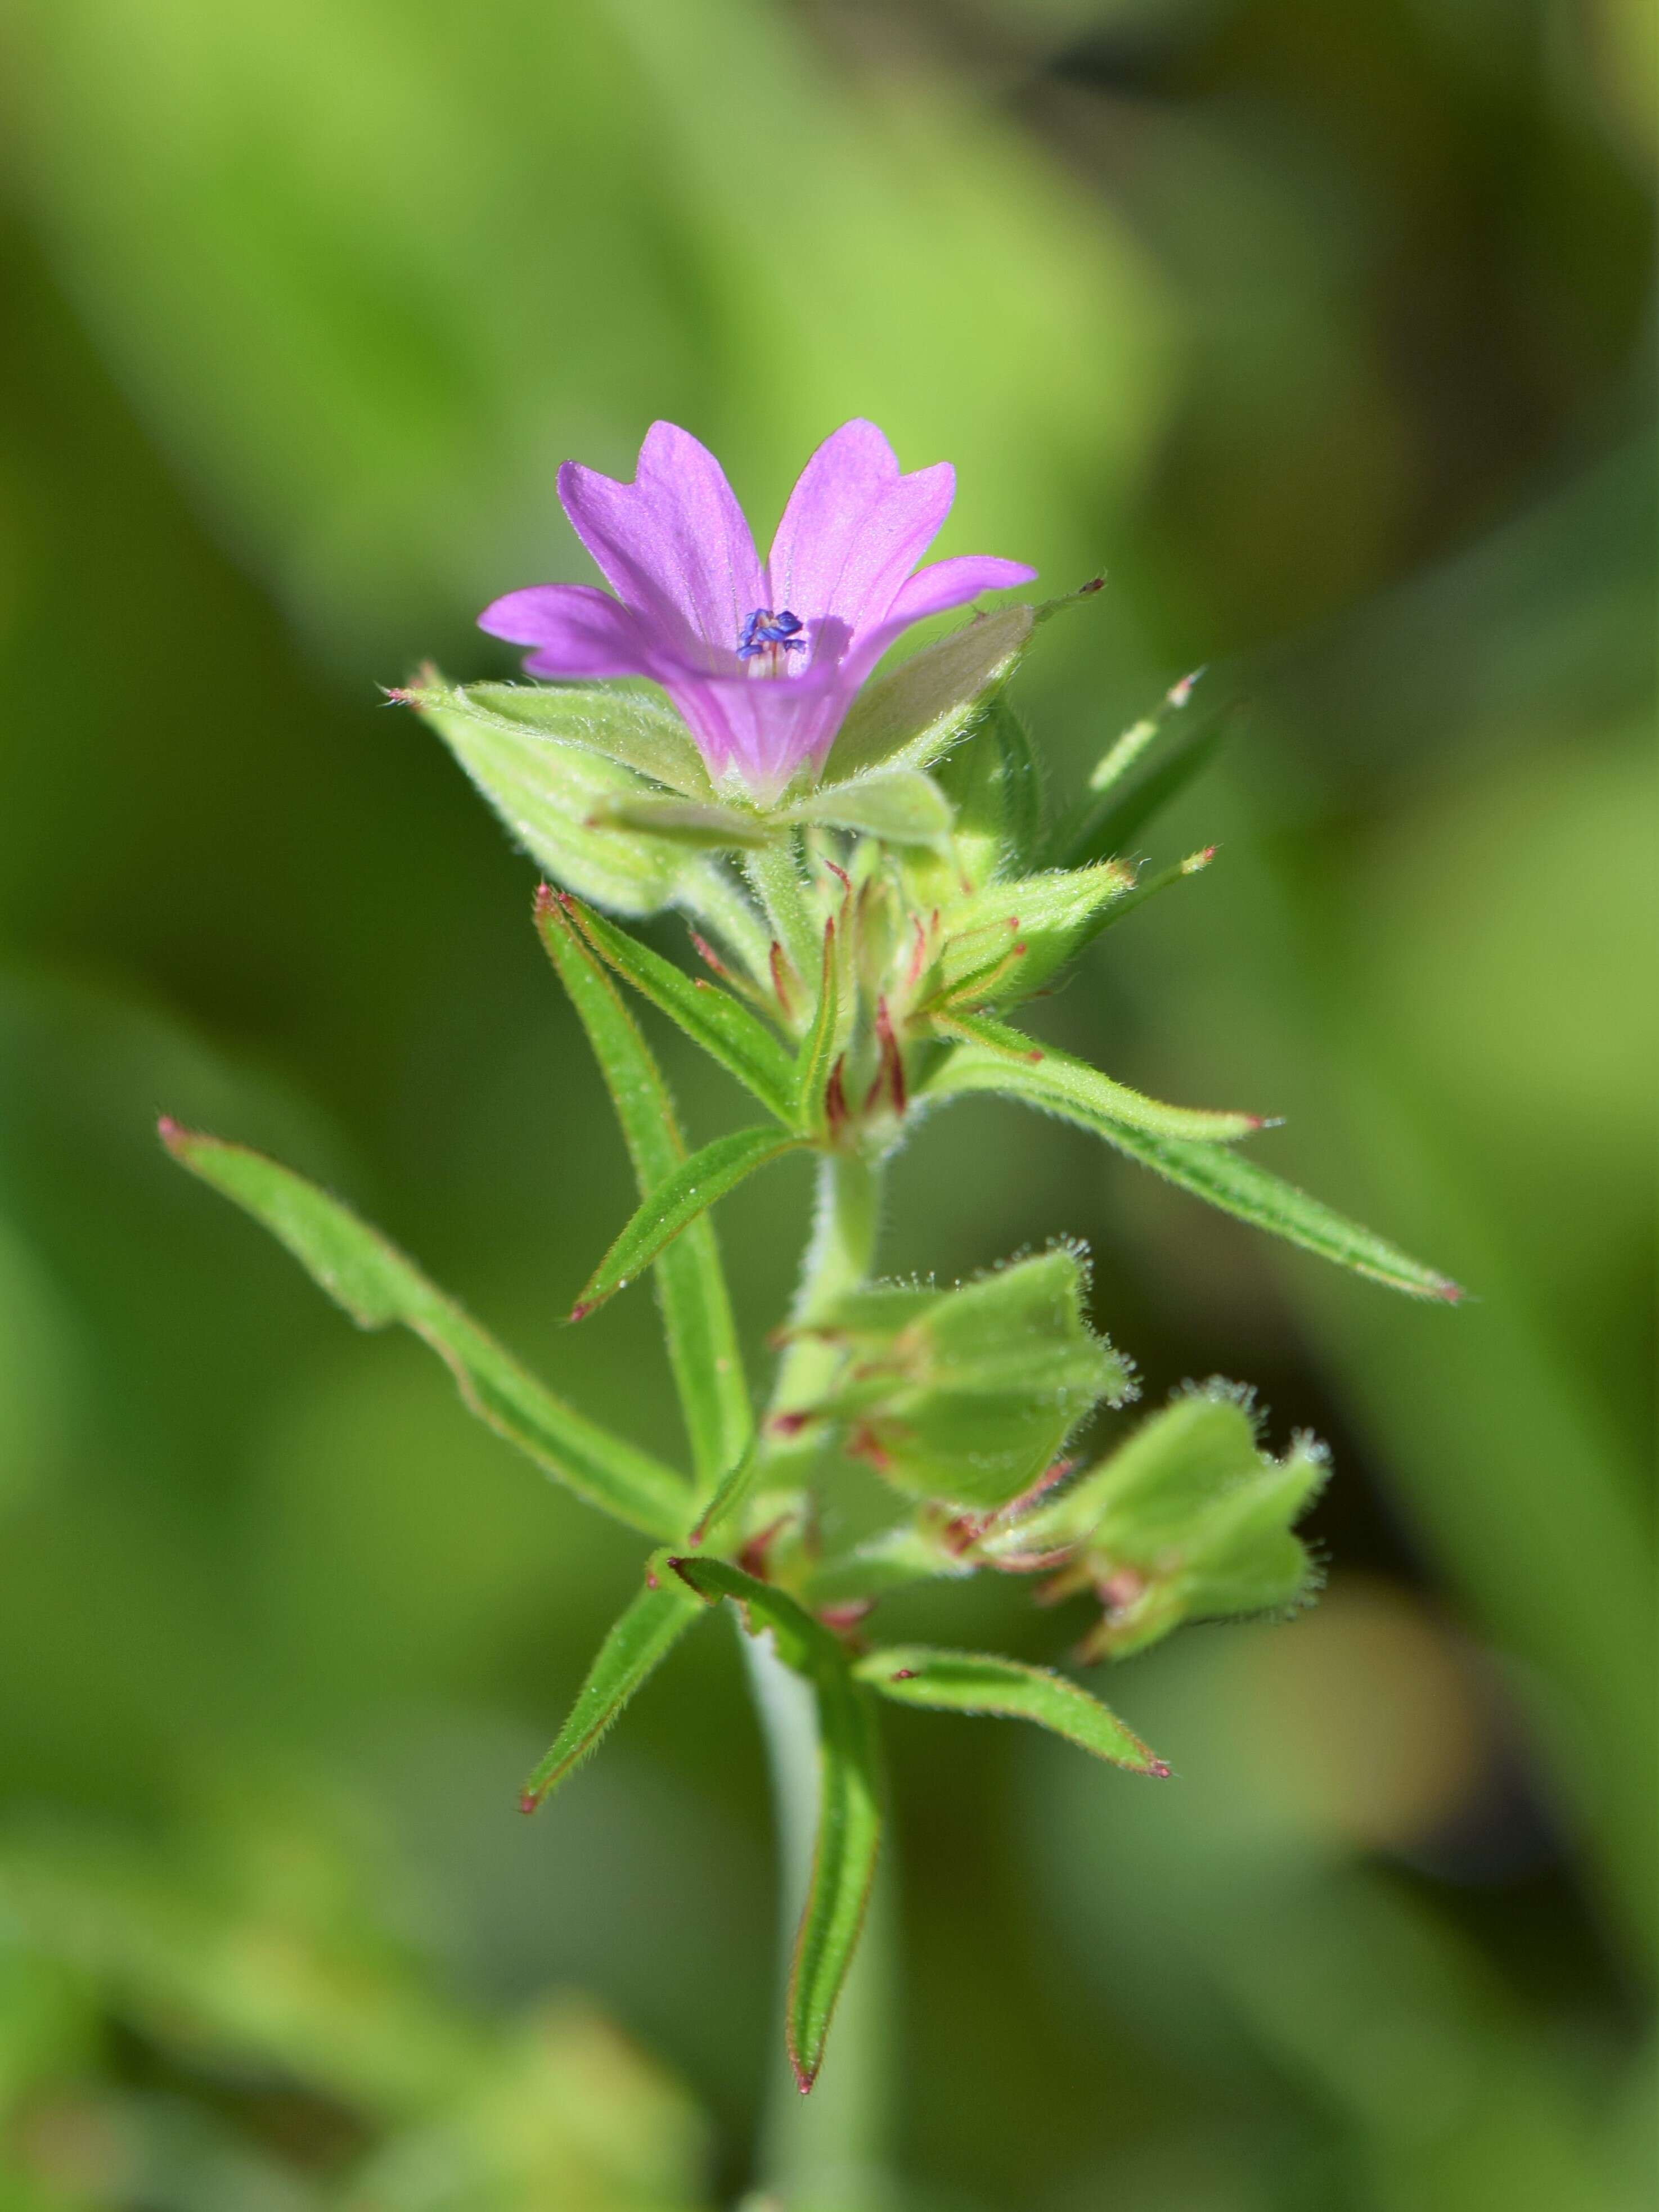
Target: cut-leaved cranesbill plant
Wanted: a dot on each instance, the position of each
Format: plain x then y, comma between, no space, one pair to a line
870,888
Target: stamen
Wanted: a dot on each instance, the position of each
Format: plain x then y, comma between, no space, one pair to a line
767,632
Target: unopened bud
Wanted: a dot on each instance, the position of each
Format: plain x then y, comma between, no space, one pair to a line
1190,1520
967,1395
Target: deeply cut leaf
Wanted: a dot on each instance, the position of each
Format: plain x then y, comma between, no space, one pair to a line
694,1186
999,1059
711,1018
979,1682
636,1645
377,1286
696,1308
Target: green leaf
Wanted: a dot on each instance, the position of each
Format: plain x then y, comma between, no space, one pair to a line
818,1048
696,1308
999,1059
733,1493
900,804
849,1801
710,1016
625,721
918,713
547,789
1114,822
976,1682
635,1646
843,1867
377,1286
689,1191
697,823
802,1643
1209,1172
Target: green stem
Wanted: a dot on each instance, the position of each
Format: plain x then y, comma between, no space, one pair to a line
838,1259
825,2153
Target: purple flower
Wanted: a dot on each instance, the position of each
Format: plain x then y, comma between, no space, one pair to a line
763,662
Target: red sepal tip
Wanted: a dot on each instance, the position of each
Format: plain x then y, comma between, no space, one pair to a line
528,1802
579,1312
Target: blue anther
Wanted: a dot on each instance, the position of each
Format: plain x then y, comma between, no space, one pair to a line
765,631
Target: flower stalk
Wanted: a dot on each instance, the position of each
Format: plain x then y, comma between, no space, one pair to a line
865,926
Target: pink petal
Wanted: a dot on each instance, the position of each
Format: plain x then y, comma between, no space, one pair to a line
764,728
946,583
577,630
855,528
673,544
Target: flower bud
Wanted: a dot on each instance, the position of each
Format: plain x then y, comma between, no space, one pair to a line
966,1396
1190,1520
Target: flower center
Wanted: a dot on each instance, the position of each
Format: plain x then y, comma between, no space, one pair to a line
767,636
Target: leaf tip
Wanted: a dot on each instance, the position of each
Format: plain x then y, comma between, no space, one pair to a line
1448,1292
1160,1767
168,1131
528,1801
581,1309
1179,694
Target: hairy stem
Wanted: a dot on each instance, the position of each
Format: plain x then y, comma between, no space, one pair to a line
825,2153
838,1259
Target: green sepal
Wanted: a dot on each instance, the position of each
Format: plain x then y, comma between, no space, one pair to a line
699,824
628,722
1011,939
995,1058
634,1647
979,1682
849,1801
678,1199
914,714
994,783
377,1286
1187,1520
709,1016
548,789
966,1396
702,1336
899,805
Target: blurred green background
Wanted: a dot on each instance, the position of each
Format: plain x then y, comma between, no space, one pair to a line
1326,326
